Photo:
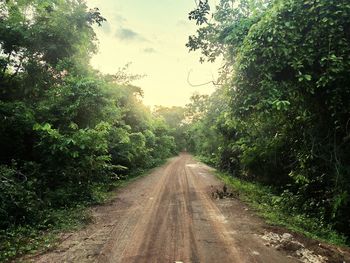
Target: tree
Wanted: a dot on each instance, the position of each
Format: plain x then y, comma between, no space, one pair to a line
68,132
174,117
287,89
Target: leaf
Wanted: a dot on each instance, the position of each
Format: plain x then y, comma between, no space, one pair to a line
308,77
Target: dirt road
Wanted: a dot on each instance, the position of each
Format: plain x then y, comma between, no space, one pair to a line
170,216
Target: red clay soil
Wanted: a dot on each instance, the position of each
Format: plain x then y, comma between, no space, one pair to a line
172,216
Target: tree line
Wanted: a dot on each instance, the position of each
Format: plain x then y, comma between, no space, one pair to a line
280,115
67,131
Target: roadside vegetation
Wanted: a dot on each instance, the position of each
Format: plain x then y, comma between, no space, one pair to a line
279,120
277,125
69,134
269,204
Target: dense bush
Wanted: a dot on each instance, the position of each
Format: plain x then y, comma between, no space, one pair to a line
286,86
66,129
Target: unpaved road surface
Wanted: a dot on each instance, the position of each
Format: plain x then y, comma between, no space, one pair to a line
171,216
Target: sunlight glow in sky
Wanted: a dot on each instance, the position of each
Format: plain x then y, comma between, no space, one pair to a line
152,36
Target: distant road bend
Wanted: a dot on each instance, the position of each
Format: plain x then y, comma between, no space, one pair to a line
169,216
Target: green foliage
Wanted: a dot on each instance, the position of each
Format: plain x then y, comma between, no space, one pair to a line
174,117
18,198
286,84
69,134
20,240
276,210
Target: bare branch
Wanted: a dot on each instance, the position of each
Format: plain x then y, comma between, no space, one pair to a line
202,84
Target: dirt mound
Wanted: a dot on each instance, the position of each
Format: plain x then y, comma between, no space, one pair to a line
305,249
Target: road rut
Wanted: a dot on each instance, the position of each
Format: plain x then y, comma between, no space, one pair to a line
169,216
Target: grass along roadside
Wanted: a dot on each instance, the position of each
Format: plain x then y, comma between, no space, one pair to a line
276,212
21,240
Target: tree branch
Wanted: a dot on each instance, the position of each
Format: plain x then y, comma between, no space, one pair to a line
8,61
202,84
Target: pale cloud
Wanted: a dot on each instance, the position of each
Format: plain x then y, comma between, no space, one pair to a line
157,31
127,34
182,23
149,50
106,27
120,19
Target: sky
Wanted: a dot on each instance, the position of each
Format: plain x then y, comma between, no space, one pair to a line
152,35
